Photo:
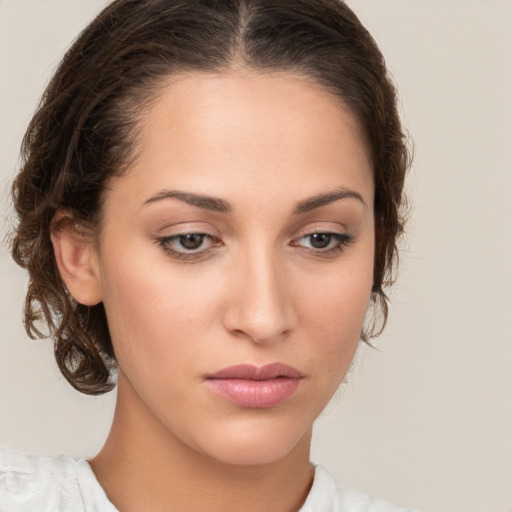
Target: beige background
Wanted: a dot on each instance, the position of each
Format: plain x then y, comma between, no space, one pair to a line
427,421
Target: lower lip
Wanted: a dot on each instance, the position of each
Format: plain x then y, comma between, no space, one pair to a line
255,394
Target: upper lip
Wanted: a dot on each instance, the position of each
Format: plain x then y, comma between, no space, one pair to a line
252,372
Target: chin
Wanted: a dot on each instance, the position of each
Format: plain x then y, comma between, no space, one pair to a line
267,445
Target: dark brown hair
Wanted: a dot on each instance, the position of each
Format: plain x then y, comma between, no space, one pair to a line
84,132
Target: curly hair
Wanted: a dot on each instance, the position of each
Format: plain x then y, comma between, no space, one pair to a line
84,129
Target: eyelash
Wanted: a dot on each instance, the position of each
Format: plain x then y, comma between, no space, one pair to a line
165,242
341,242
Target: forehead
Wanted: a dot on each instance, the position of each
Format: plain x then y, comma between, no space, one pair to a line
239,132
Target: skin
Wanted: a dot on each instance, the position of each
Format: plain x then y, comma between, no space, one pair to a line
257,290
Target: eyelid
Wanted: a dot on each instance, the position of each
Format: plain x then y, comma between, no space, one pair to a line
320,227
343,238
185,228
165,243
340,239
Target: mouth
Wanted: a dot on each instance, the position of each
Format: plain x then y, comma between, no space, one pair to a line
254,387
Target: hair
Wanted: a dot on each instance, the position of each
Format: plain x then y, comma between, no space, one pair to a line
85,129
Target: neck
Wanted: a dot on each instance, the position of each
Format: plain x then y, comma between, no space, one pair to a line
143,466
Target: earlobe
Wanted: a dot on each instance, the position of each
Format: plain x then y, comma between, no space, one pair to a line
76,258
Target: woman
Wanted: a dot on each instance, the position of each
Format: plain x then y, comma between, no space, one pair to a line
208,205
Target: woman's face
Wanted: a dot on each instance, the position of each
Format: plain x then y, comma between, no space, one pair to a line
242,235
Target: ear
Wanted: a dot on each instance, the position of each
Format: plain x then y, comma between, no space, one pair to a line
76,257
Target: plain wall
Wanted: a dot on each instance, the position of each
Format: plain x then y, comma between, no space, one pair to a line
426,421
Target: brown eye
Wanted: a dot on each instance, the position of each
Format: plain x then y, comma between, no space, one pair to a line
188,245
320,240
191,241
324,243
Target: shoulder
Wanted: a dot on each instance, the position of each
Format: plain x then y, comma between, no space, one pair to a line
46,484
33,482
326,496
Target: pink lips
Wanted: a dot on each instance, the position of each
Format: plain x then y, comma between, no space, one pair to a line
255,387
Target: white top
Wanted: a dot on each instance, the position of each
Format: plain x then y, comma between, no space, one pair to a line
31,483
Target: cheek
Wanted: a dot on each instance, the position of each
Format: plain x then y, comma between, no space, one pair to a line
333,315
337,324
339,299
154,314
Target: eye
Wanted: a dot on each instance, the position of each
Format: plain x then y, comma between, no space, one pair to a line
324,242
188,245
192,241
319,240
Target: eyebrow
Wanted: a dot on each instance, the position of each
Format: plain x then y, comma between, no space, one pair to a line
216,204
324,199
206,202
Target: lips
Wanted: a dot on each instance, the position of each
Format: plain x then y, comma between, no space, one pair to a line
255,387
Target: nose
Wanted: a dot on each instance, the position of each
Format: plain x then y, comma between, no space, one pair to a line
260,306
